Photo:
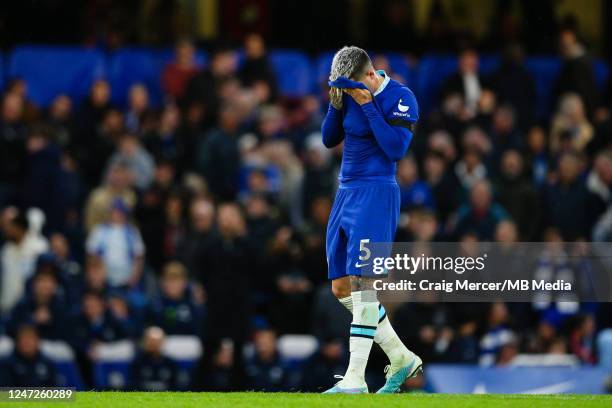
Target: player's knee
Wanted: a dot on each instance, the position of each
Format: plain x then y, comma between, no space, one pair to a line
341,290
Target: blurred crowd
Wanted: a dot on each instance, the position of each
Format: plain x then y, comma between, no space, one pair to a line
207,217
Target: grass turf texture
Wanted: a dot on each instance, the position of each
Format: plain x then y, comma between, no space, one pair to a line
262,400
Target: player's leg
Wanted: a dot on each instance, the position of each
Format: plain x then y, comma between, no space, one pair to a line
385,336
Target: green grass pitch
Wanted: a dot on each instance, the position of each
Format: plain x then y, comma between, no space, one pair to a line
298,400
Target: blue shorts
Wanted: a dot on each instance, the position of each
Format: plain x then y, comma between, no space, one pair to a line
363,212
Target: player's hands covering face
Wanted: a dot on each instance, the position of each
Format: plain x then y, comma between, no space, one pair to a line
361,96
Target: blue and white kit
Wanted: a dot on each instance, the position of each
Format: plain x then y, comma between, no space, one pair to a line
366,209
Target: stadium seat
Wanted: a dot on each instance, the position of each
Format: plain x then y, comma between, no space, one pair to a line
544,71
50,71
322,66
63,357
129,66
112,365
297,346
185,351
431,73
6,346
600,68
292,69
399,64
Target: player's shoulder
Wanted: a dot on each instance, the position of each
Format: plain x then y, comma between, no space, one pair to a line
400,101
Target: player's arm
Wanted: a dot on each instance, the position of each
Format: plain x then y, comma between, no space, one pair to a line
394,132
331,129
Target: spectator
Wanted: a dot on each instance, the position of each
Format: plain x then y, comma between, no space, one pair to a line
151,370
582,339
96,324
138,108
443,183
514,85
536,156
19,253
12,147
27,366
480,216
264,370
179,309
567,203
466,82
413,192
577,72
136,159
497,336
517,195
120,247
44,309
256,71
571,129
203,88
176,74
218,159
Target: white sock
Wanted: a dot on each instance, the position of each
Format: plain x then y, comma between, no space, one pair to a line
363,329
397,353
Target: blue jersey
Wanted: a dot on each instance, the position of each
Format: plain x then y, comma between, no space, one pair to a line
366,209
376,134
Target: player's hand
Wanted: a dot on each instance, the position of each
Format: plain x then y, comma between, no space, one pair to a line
361,96
335,97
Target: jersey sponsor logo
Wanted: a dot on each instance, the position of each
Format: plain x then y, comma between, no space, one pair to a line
402,108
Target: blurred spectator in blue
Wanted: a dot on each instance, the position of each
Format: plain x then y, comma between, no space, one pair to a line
69,267
94,108
256,71
22,247
536,155
328,315
313,232
12,147
319,175
265,371
179,308
518,196
93,279
151,370
133,155
119,245
96,323
599,180
203,88
200,235
514,85
567,202
176,74
117,185
504,132
413,192
61,121
463,347
480,216
44,308
165,142
27,366
443,184
138,108
41,186
320,369
218,157
219,369
497,334
93,150
576,74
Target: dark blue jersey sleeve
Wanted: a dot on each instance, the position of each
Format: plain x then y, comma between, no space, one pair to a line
331,129
394,130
